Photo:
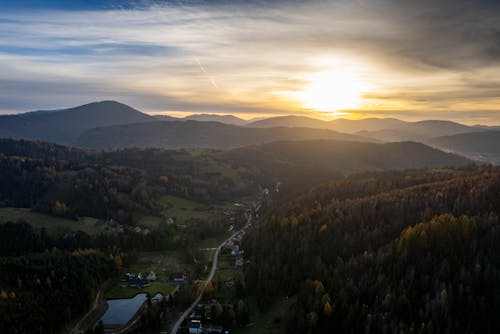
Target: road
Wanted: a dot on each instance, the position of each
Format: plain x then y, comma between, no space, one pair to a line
215,260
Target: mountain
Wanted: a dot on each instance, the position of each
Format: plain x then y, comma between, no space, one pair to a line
341,124
418,131
225,119
290,121
166,118
367,124
382,129
191,134
65,125
393,135
482,146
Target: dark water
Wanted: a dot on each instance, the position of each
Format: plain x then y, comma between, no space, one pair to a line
120,311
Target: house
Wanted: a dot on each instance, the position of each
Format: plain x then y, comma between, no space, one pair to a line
151,276
235,250
195,327
239,262
179,278
229,283
136,281
196,315
229,244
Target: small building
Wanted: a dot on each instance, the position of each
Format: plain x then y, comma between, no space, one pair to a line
179,278
136,280
229,283
151,276
195,327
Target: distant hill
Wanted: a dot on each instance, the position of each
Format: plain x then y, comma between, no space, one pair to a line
418,131
65,125
341,124
483,146
225,119
191,134
290,121
367,124
328,156
382,129
393,135
166,118
88,125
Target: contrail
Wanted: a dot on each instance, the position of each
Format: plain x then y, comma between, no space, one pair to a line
212,80
201,66
214,83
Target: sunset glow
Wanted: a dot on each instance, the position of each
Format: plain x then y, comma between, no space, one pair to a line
332,91
352,58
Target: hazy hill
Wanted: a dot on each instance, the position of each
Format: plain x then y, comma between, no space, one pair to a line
302,164
166,118
290,121
483,146
418,131
367,124
383,129
341,124
322,156
191,134
66,125
226,119
393,135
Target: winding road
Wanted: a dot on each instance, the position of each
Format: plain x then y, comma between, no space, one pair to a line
215,260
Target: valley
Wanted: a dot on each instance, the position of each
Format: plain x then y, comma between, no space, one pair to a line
248,228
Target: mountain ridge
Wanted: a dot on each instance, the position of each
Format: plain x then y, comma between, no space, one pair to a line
192,134
64,125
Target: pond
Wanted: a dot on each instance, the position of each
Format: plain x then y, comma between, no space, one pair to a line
120,311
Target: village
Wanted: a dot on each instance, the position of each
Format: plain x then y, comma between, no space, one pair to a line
215,313
156,287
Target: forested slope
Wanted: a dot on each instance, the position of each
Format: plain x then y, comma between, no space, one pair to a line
405,252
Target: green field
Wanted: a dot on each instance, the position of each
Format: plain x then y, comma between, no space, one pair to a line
124,291
163,264
55,225
211,242
182,210
226,269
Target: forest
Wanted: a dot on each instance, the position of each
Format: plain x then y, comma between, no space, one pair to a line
117,185
407,252
39,290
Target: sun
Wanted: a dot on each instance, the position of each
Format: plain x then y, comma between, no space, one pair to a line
332,91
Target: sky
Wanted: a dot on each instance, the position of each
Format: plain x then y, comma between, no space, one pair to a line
413,60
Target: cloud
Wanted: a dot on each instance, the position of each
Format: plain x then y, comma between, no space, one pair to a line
243,56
